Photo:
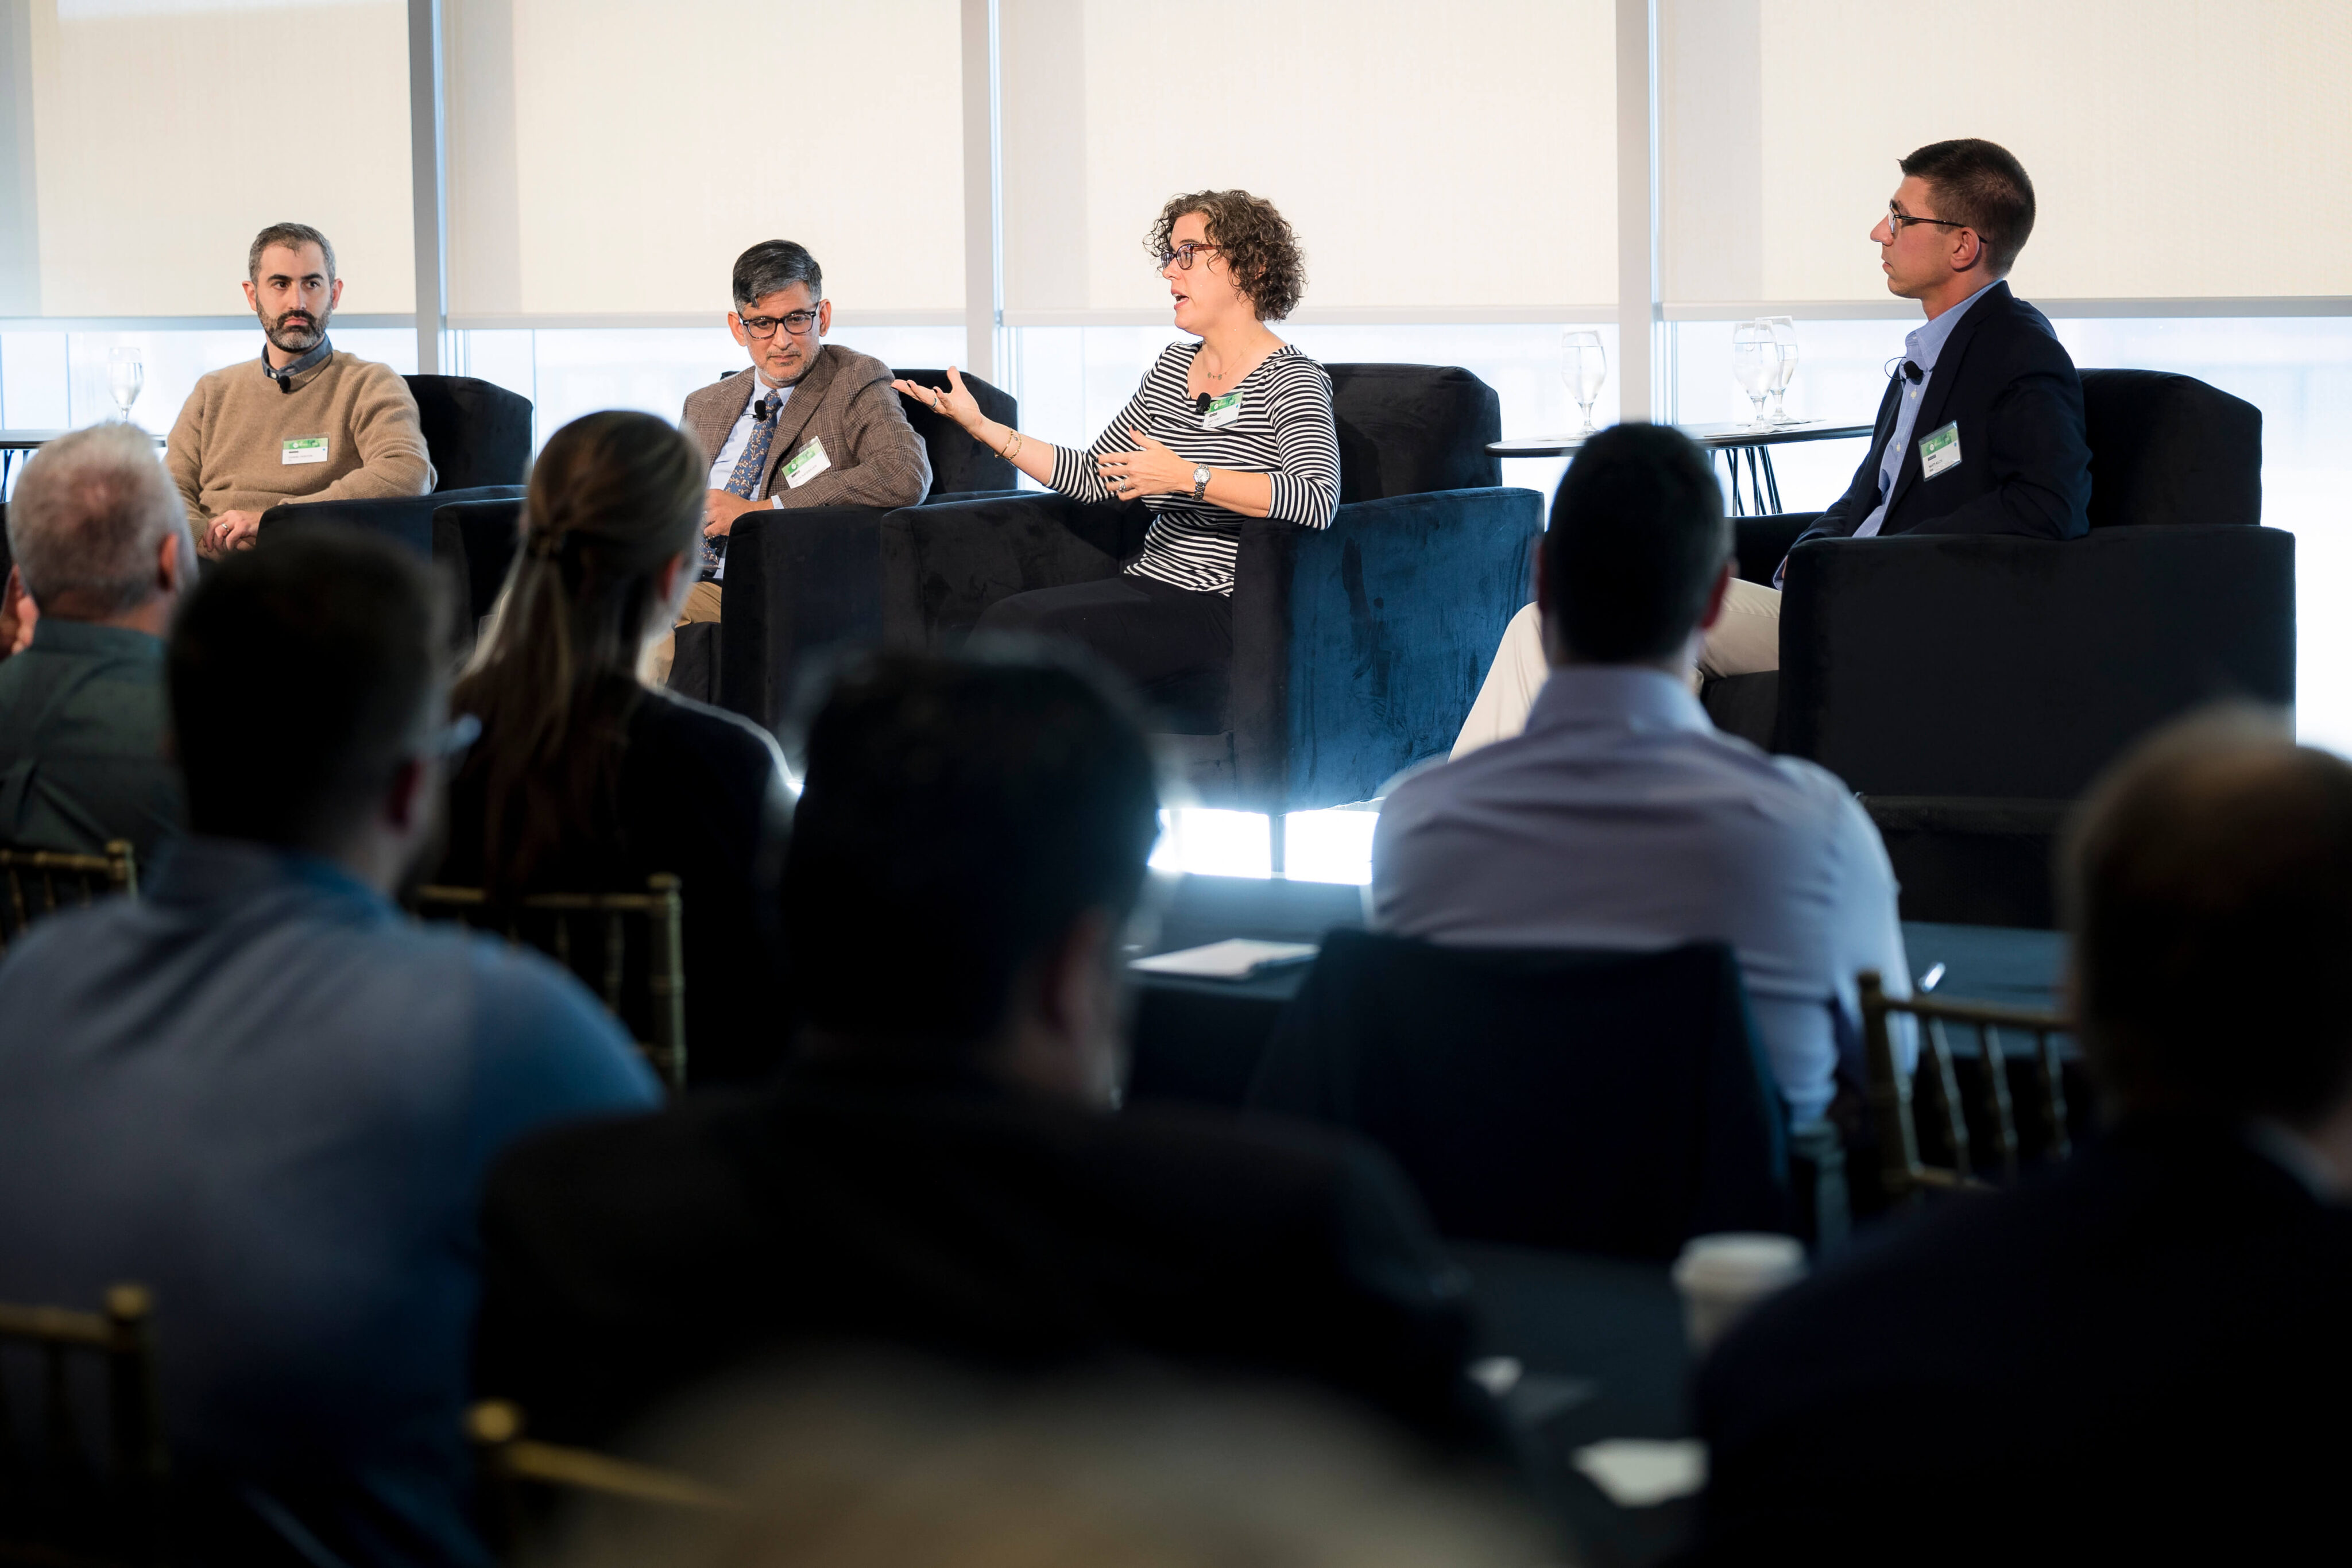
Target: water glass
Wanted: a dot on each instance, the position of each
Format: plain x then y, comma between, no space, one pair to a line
1584,366
1784,339
1755,361
125,375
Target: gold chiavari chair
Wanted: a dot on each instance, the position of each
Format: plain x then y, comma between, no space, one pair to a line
524,1479
587,933
35,883
1896,1106
60,1500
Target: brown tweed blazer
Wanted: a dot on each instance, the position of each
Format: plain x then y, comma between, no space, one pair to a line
846,401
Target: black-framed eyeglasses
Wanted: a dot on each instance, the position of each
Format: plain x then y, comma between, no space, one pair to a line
1182,255
1896,218
796,322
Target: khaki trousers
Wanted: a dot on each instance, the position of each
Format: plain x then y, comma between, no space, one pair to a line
702,604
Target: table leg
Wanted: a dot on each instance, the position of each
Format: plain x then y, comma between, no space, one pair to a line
1771,480
1731,457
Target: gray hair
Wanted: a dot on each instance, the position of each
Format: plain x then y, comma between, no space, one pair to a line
775,264
90,517
293,236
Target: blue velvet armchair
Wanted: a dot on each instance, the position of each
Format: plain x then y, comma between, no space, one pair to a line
1357,649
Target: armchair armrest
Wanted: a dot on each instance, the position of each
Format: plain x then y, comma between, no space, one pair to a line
799,583
407,519
1983,665
1359,649
943,564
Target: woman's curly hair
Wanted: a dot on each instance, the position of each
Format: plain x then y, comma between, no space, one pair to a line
1260,252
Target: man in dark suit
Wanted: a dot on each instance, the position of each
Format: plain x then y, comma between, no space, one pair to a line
2144,1355
943,1168
1980,431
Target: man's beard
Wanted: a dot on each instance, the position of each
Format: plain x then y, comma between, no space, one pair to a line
300,338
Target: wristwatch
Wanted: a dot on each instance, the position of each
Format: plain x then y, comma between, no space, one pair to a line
1200,482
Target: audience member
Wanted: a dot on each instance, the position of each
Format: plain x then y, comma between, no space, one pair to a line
2142,1355
940,1168
1623,818
329,427
1236,424
264,1094
808,424
863,1462
102,552
1979,432
585,781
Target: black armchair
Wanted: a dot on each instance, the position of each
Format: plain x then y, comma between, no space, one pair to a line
1969,686
960,466
1357,649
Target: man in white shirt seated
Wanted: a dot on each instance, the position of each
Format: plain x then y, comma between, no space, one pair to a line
1621,819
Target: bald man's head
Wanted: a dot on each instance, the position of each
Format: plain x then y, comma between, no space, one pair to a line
2208,888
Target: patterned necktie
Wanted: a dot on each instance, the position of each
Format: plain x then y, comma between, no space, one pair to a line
745,480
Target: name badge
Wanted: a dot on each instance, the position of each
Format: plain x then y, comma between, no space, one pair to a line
806,464
1940,450
303,449
1221,412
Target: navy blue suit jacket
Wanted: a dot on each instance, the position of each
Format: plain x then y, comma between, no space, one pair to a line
2024,467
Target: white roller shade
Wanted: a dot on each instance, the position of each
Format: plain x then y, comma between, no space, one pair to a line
611,157
163,134
2179,148
1438,162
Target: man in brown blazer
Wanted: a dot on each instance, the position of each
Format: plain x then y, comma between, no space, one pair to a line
808,424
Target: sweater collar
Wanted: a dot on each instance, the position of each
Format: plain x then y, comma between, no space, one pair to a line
295,372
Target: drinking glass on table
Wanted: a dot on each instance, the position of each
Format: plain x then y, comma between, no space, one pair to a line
125,375
1584,366
1784,340
1755,361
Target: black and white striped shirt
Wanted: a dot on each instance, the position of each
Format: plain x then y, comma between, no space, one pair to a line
1284,429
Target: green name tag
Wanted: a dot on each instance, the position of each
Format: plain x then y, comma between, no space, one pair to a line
805,465
1221,412
1939,450
304,449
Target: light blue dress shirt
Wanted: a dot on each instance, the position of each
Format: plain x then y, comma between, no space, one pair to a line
1921,346
1622,819
264,1094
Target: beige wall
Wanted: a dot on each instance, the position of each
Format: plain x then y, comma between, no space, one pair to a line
166,134
605,157
1431,157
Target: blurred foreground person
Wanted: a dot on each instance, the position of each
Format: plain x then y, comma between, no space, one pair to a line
102,553
857,1464
266,1094
940,1166
2142,1355
584,780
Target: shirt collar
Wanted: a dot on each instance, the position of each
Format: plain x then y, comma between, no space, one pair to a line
1624,697
56,634
195,871
1924,342
310,360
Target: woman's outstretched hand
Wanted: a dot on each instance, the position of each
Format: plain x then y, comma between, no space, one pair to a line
957,402
1152,469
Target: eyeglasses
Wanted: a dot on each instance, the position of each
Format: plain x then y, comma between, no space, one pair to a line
796,322
1182,255
1896,218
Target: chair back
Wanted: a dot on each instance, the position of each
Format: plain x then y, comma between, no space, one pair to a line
476,431
1407,430
2017,1110
960,465
485,536
519,1476
34,883
1597,1101
2170,449
643,984
63,1500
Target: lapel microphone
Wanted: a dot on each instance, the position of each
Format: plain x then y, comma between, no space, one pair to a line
766,411
1913,372
1201,405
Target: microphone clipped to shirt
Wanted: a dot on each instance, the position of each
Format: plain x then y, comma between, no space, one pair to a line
765,410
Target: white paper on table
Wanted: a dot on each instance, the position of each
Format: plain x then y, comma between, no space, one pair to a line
1641,1472
1234,958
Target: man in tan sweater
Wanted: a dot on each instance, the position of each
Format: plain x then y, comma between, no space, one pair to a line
307,424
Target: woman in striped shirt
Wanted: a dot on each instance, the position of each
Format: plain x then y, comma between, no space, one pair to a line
1235,425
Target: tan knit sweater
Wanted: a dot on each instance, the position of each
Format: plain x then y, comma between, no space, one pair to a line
229,450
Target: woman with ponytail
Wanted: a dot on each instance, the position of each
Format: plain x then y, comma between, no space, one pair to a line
584,778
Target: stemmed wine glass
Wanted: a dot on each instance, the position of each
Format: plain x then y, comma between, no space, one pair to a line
1784,340
1755,361
1584,366
125,376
